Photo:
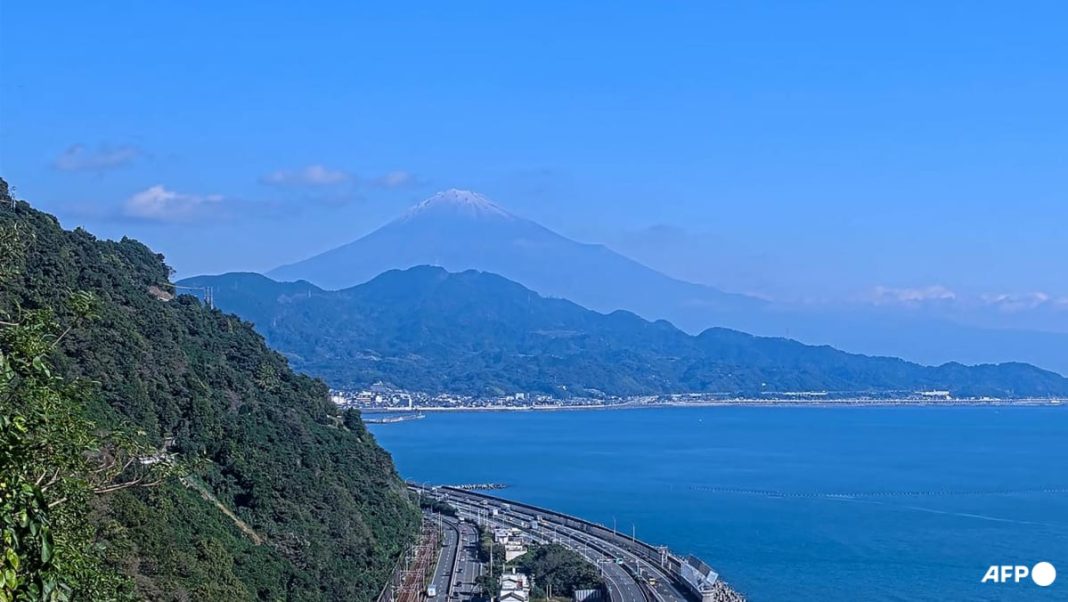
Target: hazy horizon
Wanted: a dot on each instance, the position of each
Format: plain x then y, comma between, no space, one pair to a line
799,154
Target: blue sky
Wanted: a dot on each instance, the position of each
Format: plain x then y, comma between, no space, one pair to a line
799,150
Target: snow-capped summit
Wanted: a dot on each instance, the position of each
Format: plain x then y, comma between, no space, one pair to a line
463,202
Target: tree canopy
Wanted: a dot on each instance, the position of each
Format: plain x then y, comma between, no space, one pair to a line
271,493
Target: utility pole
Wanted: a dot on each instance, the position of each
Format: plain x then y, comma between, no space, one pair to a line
633,541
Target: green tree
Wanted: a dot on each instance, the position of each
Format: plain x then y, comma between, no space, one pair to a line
556,568
52,464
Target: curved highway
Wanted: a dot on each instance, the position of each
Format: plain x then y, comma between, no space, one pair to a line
633,570
621,586
628,577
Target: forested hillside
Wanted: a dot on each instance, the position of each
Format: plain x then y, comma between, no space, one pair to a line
473,332
318,511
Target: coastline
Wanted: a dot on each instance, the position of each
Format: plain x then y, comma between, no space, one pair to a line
771,403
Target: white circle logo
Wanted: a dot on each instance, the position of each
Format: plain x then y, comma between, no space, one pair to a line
1043,574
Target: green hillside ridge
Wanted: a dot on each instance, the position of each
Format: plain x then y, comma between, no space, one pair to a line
426,329
248,434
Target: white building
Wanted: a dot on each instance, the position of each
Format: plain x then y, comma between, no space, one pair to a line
515,587
506,534
512,540
513,550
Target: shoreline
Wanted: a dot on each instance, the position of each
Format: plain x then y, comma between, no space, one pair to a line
751,403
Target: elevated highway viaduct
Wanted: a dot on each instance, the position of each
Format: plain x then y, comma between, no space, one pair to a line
634,570
619,582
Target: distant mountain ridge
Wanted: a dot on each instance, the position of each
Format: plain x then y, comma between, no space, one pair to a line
461,230
427,329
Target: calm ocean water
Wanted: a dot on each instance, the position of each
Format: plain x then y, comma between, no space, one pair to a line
907,503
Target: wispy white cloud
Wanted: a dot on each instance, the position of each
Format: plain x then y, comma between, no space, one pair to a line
159,204
946,297
1013,302
883,295
312,175
396,179
79,157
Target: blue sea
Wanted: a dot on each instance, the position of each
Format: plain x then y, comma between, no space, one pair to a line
787,503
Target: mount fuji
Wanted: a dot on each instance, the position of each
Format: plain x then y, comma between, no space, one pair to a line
461,230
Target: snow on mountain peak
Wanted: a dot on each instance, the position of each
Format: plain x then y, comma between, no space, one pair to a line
463,202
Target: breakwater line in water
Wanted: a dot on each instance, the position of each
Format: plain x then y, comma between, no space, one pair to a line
877,494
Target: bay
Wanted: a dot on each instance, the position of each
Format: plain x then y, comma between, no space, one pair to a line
787,503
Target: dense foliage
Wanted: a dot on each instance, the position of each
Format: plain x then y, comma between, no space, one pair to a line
282,496
559,570
52,464
491,554
429,330
437,507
